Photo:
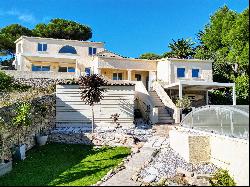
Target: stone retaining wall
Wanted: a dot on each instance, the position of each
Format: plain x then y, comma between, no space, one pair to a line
39,74
9,136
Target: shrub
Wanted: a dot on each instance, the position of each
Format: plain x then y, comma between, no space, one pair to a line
5,81
222,178
183,103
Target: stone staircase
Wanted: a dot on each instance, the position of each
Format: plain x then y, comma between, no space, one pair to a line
163,115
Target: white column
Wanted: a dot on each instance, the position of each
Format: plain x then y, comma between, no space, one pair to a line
207,99
180,90
151,77
129,75
234,95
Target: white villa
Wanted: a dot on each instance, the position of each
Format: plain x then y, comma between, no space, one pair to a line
157,82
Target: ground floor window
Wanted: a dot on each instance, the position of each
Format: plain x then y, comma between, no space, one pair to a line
66,69
117,76
40,68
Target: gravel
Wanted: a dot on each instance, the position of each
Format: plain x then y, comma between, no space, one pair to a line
166,163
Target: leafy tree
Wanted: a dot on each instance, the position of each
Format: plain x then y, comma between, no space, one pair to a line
63,29
226,40
8,35
182,48
150,56
92,91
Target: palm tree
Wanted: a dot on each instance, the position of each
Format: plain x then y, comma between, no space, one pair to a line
182,48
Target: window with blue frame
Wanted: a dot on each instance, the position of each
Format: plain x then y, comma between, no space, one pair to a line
195,73
41,47
68,49
40,68
180,72
92,50
87,71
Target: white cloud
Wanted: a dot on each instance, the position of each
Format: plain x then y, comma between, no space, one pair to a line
22,16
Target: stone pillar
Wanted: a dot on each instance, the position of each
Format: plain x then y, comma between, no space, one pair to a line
207,98
129,75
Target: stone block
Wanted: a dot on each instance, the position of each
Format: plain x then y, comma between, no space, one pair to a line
5,168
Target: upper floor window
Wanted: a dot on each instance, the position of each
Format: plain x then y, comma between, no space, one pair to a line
42,47
92,50
68,49
180,72
117,76
66,69
195,73
40,68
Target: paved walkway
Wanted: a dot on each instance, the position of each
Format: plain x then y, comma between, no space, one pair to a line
123,177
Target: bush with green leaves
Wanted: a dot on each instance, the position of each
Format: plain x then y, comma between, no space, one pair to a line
5,81
222,178
183,103
22,118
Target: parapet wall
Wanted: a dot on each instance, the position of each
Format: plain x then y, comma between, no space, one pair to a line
225,152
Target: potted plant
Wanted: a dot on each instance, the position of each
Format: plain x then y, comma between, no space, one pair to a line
42,137
20,120
185,105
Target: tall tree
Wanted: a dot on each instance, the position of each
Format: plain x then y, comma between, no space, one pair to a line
150,56
182,48
225,39
63,29
92,91
8,35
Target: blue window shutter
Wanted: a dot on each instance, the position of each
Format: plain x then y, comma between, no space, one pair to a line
44,47
180,72
195,72
90,50
39,48
71,69
94,51
87,71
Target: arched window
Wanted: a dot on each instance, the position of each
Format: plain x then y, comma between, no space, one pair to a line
68,49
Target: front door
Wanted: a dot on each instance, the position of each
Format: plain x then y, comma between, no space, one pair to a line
138,77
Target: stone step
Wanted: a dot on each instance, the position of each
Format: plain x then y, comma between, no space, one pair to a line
170,121
165,118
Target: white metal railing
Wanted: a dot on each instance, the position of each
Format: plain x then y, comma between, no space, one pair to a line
167,101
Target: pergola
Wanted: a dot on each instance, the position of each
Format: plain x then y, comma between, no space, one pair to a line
200,85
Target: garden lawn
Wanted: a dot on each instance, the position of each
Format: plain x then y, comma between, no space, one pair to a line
64,164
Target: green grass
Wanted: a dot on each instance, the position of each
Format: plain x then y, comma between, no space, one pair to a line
64,165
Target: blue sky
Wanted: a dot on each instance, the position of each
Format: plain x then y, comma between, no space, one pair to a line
128,27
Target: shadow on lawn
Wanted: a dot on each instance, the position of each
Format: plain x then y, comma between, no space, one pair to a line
61,164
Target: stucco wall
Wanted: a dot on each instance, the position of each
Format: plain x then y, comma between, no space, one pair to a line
72,111
167,70
29,48
123,63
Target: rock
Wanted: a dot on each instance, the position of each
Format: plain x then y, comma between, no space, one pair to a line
152,171
149,178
